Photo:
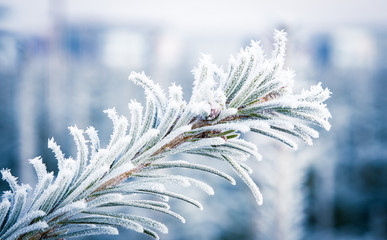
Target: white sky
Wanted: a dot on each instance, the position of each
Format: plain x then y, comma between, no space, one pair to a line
198,15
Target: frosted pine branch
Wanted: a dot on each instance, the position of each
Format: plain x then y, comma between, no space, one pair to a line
254,94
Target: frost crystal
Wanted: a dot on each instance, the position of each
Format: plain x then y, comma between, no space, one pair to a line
255,94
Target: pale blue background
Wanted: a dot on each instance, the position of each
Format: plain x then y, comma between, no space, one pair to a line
62,62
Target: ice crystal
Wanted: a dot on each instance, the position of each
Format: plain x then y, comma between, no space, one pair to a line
255,94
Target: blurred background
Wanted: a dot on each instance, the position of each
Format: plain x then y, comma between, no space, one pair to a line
64,61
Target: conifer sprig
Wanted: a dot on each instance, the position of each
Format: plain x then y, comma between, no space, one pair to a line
254,94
